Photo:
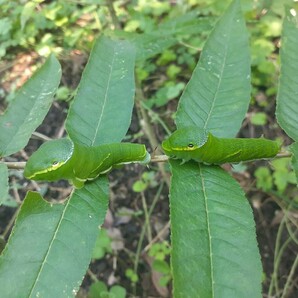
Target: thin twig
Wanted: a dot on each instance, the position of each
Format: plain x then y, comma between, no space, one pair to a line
158,236
290,277
148,129
147,218
284,154
92,275
113,14
159,158
20,165
143,231
40,136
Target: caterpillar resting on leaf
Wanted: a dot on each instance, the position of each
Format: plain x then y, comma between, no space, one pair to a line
62,159
200,145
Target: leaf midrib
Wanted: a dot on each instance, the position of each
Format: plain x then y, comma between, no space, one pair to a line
219,82
208,229
49,248
105,99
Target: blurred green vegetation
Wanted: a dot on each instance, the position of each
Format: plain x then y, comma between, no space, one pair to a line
61,26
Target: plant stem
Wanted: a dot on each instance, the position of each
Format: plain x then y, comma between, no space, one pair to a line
113,14
20,165
284,154
278,253
142,235
147,218
290,277
148,128
159,158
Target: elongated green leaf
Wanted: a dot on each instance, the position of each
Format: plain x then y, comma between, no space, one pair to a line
294,150
218,94
214,248
3,182
287,97
31,104
101,110
51,244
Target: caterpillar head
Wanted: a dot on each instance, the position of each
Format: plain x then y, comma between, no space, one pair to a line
49,161
185,139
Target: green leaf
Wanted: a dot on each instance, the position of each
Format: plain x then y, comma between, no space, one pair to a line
187,24
294,150
149,45
50,247
27,12
261,49
96,289
3,183
167,34
161,266
118,292
214,248
5,26
101,110
139,186
287,99
27,110
131,275
264,178
218,93
283,174
102,245
259,119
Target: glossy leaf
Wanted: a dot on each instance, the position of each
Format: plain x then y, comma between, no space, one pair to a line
287,99
3,182
101,110
218,93
214,244
51,244
28,109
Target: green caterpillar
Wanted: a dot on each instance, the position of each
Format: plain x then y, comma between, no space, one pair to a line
62,159
200,145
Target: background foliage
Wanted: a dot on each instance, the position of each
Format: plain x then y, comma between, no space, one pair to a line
170,44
